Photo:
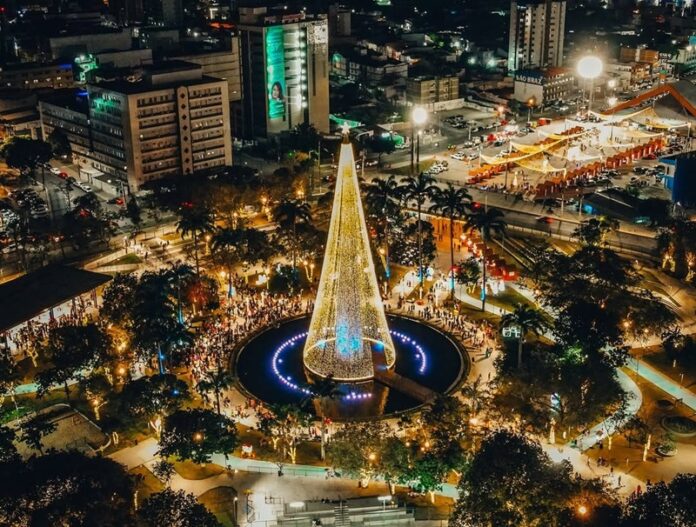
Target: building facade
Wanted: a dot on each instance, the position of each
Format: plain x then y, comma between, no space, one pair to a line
172,121
33,76
428,90
285,72
540,87
537,31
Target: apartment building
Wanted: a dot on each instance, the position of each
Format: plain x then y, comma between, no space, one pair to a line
537,31
34,76
428,90
171,121
285,71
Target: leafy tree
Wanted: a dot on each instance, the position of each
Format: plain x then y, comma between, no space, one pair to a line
9,374
33,430
597,300
446,421
663,504
635,430
8,451
594,231
676,241
292,216
304,137
157,395
382,200
429,471
321,392
155,322
359,451
527,320
163,470
195,222
486,221
467,272
73,351
419,189
231,247
510,481
382,145
197,435
66,488
25,154
175,509
60,145
118,299
216,382
134,213
452,203
284,424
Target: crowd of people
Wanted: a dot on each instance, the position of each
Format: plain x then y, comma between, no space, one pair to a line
26,339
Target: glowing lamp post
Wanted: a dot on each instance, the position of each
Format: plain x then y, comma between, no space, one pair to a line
418,118
589,68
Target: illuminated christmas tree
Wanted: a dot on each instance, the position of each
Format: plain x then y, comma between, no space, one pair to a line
348,336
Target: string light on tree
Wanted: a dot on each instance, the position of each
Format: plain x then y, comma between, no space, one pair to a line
348,323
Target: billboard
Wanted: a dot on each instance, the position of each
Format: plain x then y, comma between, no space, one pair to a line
275,72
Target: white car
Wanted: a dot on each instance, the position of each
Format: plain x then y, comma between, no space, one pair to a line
55,170
83,186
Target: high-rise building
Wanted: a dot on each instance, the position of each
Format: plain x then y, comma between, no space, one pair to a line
537,29
172,120
285,71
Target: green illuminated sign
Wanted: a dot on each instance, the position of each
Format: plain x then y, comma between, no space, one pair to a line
275,72
84,64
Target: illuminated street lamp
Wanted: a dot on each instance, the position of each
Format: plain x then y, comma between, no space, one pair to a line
419,116
589,68
530,104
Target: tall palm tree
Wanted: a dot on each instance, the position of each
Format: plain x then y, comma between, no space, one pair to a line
195,222
215,381
290,214
486,221
526,319
322,390
382,198
224,247
452,203
418,189
177,274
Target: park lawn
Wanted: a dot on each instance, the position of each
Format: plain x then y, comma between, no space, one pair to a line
191,470
147,483
220,501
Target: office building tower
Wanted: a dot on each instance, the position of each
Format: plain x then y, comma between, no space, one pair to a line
171,120
537,29
285,71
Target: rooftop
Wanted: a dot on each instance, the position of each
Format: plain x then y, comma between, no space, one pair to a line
33,293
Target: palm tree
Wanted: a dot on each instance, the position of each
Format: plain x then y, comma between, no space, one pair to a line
322,390
382,198
196,222
526,319
291,213
418,189
179,272
486,221
224,247
451,203
215,381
